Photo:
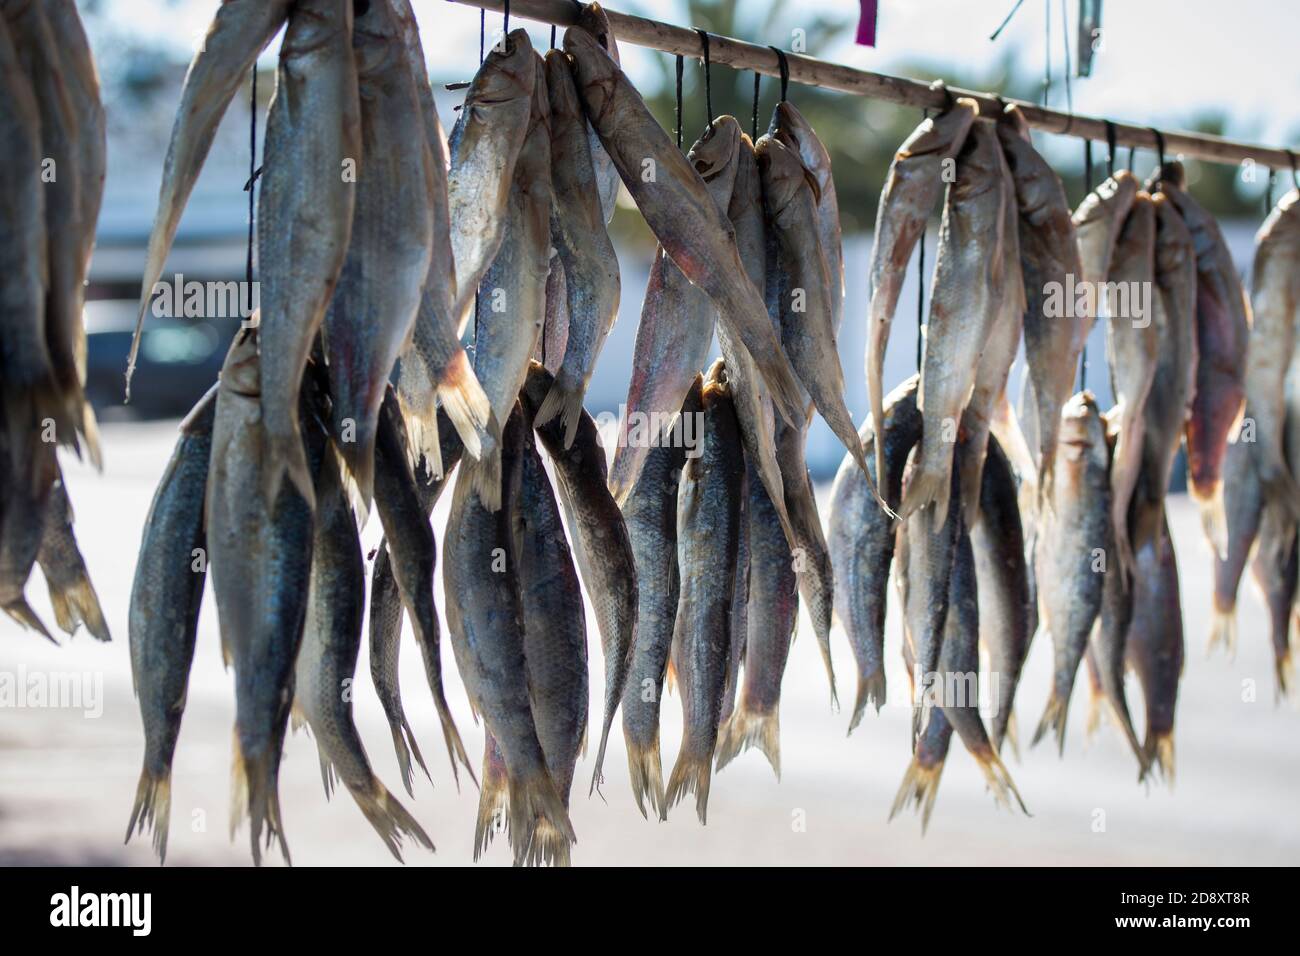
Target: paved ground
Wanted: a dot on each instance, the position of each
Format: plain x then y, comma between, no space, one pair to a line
67,780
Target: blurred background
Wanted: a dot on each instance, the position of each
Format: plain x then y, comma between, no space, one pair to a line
66,784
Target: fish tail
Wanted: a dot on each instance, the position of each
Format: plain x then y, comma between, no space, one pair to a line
285,455
1214,518
691,774
359,458
1159,749
1053,719
484,477
493,808
1284,672
450,733
53,408
533,800
647,774
1093,722
466,405
564,399
422,427
78,603
1223,630
88,425
255,793
22,612
999,780
871,690
406,747
1120,712
822,628
598,776
919,787
390,819
787,396
1011,736
548,846
746,729
928,485
152,809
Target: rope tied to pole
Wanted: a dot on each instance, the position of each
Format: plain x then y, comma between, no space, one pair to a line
920,283
1110,148
708,81
783,68
753,123
253,173
679,100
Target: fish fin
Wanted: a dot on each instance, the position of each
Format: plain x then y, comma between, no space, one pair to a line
646,771
152,810
920,786
532,800
1053,719
22,612
466,405
89,428
1284,672
748,729
406,747
787,396
78,603
328,778
598,776
285,454
484,477
51,406
822,630
1120,713
1214,519
564,399
999,780
691,774
255,793
390,819
1223,630
359,458
493,811
871,690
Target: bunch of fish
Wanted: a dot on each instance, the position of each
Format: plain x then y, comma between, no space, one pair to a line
379,242
53,128
1262,464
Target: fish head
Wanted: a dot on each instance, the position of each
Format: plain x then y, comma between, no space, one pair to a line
540,112
715,155
314,24
241,371
378,38
1082,429
747,191
784,174
507,74
942,135
596,73
560,88
980,166
595,21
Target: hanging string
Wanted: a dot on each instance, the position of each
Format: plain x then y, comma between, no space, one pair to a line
1047,52
1003,25
1268,192
552,36
783,67
1132,151
253,173
1295,176
920,282
1160,155
679,101
482,33
1110,147
1087,185
708,84
753,123
1069,65
505,19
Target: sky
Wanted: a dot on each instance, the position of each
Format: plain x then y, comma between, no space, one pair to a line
1160,59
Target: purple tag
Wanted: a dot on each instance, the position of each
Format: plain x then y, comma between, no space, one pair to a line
867,23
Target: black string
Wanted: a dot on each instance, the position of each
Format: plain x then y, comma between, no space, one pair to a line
505,19
753,125
1002,26
482,32
552,36
1295,176
252,173
679,101
708,84
1047,52
920,282
1110,147
1160,154
1087,186
1268,192
783,67
1132,151
1069,66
